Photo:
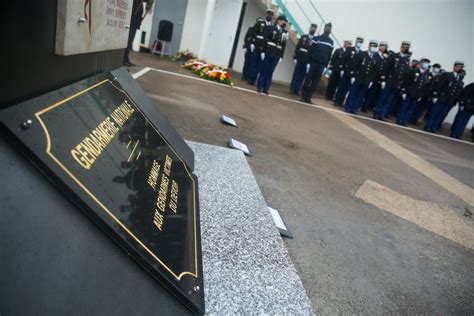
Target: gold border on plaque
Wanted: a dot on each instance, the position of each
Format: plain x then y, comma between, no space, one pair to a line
96,200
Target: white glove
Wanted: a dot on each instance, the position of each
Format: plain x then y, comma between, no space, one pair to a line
382,85
342,73
252,47
307,68
404,96
328,73
435,100
245,50
279,60
370,84
325,70
262,56
295,61
419,99
353,80
461,108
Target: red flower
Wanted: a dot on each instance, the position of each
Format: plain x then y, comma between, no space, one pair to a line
227,75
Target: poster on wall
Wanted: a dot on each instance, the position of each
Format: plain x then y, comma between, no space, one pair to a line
86,26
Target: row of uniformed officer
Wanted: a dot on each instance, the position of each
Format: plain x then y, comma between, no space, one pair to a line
466,110
415,85
335,68
254,45
362,77
271,55
395,68
347,70
445,95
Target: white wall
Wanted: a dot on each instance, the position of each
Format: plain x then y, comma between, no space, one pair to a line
442,30
193,25
284,70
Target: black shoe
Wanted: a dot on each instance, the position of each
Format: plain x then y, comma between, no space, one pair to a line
266,92
128,63
297,93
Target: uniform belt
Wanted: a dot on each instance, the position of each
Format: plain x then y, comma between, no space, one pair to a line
271,44
259,36
304,50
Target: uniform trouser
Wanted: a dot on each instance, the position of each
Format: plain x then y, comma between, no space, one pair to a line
268,67
342,89
298,77
245,69
371,97
131,37
435,116
255,66
460,123
384,101
443,117
406,109
311,80
356,97
420,108
332,84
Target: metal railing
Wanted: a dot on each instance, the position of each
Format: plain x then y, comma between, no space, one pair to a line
284,8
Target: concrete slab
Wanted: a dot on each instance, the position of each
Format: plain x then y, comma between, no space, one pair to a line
247,268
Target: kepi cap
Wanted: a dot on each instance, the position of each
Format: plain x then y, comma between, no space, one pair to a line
282,17
459,63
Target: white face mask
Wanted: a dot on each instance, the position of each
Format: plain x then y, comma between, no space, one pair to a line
435,71
374,49
358,45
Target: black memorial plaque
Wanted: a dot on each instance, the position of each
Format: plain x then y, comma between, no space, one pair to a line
100,148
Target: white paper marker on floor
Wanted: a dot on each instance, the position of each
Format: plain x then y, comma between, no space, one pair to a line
227,120
238,145
279,223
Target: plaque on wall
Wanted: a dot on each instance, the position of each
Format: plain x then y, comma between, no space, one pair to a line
85,26
102,149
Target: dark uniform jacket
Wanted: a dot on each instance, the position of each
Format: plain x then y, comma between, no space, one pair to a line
275,39
382,60
365,67
416,83
302,49
448,88
321,50
395,69
336,60
467,98
258,34
348,59
248,39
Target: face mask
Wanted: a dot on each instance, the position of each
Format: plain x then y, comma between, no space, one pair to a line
374,49
358,44
435,71
268,18
312,32
425,66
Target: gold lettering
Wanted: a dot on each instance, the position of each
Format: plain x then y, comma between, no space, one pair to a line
80,159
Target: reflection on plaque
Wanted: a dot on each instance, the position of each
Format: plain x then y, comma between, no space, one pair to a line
85,26
100,148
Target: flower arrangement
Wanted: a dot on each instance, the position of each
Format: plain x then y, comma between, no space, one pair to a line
183,56
209,71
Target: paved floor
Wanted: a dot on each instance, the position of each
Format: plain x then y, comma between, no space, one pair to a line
352,256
